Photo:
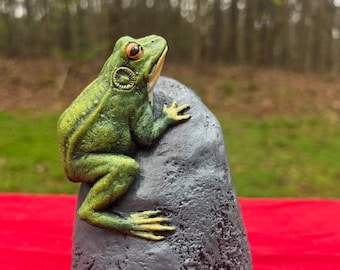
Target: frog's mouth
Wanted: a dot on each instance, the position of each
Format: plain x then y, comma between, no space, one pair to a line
155,73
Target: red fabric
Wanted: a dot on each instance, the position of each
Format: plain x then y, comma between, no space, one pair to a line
36,232
293,234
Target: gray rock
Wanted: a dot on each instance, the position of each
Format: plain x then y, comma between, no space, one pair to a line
186,176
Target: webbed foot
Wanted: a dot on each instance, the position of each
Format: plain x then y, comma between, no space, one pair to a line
173,111
147,223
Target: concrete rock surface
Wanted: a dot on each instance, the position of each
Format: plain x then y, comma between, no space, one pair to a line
185,175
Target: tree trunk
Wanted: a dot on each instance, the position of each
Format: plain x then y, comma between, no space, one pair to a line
198,43
316,37
233,37
65,28
249,39
217,50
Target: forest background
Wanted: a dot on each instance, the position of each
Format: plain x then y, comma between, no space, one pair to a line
268,69
300,35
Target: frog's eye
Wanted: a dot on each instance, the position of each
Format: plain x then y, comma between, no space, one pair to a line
134,51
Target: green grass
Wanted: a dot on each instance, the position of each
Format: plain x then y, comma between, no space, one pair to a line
29,160
284,157
272,157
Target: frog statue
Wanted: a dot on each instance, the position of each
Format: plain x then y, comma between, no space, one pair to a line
100,131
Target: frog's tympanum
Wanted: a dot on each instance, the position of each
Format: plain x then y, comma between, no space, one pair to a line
100,131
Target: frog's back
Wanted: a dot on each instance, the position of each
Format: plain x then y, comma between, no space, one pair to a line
79,115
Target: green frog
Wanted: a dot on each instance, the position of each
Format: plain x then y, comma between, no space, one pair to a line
99,133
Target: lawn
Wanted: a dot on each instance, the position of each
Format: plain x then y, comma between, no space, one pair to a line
269,157
29,159
284,157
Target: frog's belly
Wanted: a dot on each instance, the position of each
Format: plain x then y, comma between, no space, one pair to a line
107,138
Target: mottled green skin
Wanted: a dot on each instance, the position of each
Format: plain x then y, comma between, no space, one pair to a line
100,131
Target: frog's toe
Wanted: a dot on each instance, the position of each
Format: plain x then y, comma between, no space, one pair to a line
183,107
147,231
147,235
174,104
182,117
145,214
155,227
153,220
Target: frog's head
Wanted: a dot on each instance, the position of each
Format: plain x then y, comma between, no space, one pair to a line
136,64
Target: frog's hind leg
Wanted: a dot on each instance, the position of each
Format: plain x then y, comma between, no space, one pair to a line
111,176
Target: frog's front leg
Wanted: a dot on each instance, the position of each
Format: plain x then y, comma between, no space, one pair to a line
111,176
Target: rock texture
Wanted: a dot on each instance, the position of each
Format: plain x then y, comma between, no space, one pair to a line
186,176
